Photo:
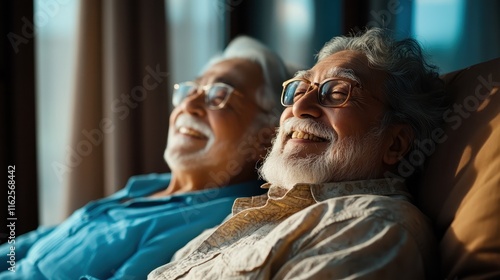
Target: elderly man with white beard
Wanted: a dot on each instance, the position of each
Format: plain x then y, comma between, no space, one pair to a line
331,212
220,129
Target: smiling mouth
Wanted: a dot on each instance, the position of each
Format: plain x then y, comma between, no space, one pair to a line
191,132
305,136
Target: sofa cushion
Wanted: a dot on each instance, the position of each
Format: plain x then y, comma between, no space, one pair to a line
460,188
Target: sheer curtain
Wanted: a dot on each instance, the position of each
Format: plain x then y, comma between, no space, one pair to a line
130,53
55,54
120,104
196,31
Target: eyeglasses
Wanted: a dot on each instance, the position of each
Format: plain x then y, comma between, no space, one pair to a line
216,95
333,92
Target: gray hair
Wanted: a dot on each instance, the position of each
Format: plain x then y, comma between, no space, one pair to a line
273,69
413,87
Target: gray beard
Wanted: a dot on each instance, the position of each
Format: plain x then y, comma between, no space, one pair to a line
353,158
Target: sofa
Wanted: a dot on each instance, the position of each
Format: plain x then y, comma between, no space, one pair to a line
460,186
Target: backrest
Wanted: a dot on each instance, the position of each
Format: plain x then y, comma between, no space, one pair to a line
460,188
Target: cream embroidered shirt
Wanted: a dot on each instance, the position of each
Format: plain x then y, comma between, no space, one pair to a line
352,230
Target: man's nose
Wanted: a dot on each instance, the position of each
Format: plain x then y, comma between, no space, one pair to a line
308,106
194,103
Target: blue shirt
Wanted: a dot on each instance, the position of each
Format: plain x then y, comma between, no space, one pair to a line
123,236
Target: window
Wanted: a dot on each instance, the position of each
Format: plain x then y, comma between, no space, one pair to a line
457,33
55,50
196,33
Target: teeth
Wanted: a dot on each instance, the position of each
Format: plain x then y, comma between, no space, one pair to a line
188,131
305,136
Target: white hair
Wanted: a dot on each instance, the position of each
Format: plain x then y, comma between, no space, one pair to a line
273,68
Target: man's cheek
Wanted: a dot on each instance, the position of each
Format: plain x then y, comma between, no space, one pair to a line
287,113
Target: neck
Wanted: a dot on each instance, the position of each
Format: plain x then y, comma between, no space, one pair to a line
183,184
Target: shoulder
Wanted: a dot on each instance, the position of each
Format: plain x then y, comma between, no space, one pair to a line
378,214
387,207
373,211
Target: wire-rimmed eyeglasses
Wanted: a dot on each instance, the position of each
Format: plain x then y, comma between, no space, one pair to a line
332,92
216,95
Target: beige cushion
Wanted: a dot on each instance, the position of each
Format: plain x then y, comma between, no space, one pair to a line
460,190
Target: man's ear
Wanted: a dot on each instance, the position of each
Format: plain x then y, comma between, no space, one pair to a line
399,141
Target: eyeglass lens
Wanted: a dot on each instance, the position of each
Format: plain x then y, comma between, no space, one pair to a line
215,95
330,94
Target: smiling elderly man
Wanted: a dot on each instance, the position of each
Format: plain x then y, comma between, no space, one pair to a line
220,128
329,212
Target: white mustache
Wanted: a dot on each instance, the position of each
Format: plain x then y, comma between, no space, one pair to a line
191,122
308,126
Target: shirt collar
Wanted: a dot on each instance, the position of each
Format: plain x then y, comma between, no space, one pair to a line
141,185
319,192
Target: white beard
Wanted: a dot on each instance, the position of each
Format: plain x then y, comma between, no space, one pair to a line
182,160
352,158
178,159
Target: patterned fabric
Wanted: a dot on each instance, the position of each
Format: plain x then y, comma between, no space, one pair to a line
361,229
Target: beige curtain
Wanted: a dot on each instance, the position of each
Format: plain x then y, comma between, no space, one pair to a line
121,99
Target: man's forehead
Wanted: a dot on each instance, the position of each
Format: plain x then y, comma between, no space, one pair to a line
333,72
234,70
214,78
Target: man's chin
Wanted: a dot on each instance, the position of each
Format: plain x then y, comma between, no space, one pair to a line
287,169
181,159
349,159
298,151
